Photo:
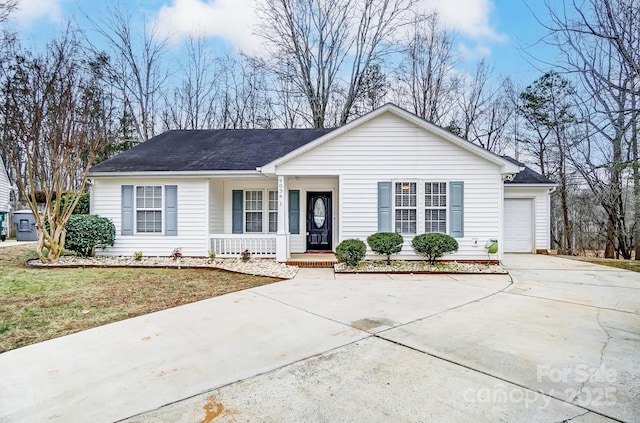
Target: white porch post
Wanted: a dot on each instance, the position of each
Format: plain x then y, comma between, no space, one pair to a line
283,252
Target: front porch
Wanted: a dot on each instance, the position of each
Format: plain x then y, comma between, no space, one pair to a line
265,246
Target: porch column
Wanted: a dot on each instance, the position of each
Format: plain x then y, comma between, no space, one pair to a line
283,252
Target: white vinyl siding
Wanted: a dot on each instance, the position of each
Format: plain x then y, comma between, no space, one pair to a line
192,217
392,149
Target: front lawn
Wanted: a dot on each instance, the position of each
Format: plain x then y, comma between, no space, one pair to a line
633,265
41,304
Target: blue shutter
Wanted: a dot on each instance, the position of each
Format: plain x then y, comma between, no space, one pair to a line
294,211
384,207
126,207
456,209
171,210
236,211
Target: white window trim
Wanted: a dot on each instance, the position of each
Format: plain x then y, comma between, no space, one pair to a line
135,211
265,209
420,203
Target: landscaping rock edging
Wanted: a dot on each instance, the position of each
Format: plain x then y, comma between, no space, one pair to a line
421,267
257,267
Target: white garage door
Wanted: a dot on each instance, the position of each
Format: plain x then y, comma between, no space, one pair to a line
518,225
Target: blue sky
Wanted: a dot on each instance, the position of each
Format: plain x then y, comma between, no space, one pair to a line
502,31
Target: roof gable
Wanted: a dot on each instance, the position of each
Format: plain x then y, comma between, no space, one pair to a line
507,167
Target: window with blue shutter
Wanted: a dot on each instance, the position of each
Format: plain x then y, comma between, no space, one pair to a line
236,211
294,211
456,209
171,210
126,207
384,206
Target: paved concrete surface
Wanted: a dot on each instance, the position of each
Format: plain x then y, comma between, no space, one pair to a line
560,343
13,243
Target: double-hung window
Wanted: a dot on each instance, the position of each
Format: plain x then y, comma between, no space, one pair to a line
273,211
149,209
435,211
406,207
253,211
260,211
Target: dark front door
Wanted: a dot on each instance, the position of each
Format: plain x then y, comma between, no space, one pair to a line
318,221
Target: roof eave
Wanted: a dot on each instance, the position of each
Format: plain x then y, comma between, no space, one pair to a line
188,173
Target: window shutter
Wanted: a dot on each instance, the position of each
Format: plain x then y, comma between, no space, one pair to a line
456,209
236,211
171,210
384,206
126,207
294,211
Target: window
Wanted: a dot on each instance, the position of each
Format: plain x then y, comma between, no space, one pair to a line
149,209
435,201
253,211
406,207
273,211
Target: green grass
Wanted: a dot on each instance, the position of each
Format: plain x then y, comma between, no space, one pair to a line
633,265
40,304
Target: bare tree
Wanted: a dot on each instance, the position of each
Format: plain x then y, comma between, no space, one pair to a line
322,43
426,73
600,43
6,7
57,117
137,65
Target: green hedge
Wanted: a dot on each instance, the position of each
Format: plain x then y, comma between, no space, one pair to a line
434,245
385,243
351,252
86,232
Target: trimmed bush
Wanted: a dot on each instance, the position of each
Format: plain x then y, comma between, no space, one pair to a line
351,252
386,243
434,245
86,232
83,203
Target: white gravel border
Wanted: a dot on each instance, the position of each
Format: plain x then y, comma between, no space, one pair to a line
257,267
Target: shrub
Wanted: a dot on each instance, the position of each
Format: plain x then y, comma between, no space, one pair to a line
212,255
245,255
137,255
351,252
176,253
386,243
86,232
434,245
83,203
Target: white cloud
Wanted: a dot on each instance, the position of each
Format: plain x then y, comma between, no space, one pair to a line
30,11
470,18
234,21
231,20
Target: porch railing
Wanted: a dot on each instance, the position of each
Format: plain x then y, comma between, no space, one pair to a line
232,245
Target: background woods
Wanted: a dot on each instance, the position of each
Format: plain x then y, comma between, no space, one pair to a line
98,90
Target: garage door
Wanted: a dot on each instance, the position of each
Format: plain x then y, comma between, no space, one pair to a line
518,225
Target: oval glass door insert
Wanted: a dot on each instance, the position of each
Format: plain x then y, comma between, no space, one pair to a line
319,213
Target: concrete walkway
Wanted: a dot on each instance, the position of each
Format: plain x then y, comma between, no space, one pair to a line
355,348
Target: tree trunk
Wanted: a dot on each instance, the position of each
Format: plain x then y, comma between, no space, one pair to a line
610,249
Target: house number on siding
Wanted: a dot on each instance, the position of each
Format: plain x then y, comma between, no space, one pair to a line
280,192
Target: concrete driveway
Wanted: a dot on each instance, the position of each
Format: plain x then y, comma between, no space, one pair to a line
560,343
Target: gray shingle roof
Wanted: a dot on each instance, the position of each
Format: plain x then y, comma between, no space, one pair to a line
210,150
528,175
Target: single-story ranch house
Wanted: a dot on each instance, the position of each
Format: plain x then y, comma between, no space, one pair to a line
281,191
